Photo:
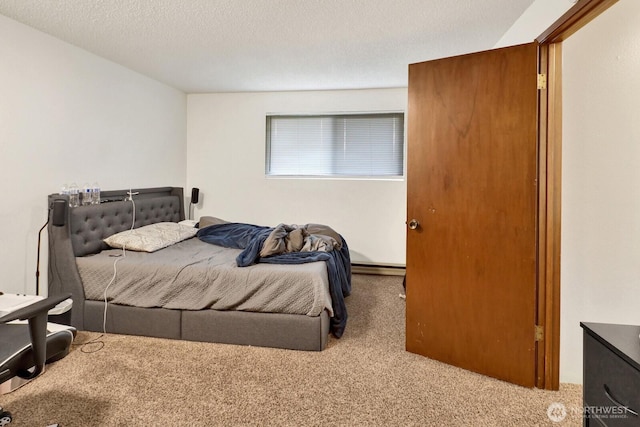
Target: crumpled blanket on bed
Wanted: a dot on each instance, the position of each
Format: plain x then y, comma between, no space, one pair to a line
286,238
330,247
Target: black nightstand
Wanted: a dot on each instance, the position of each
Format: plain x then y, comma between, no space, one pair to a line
611,374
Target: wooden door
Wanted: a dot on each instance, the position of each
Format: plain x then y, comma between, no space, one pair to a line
472,187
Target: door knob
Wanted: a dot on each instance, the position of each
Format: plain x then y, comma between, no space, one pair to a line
413,224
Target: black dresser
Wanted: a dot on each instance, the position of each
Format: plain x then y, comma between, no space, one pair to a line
611,374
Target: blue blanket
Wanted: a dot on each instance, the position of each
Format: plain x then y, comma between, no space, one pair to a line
251,237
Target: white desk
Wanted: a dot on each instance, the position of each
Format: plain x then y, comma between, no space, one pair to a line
12,302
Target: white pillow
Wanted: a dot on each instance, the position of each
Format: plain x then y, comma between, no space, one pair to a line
151,237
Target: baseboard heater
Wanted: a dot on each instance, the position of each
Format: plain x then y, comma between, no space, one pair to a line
381,269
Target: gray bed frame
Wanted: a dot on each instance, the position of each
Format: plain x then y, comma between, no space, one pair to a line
81,235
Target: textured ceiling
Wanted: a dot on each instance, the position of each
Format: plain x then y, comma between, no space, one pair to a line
258,45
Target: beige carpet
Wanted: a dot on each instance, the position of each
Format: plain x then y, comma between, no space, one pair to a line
365,378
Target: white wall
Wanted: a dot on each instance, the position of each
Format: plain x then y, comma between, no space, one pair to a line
600,179
534,21
67,115
226,157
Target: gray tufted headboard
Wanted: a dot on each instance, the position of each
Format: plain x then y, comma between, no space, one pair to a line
86,226
90,224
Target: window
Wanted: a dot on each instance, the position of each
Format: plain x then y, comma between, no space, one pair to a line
345,145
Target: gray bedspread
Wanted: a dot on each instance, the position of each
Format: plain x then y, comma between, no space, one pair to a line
193,275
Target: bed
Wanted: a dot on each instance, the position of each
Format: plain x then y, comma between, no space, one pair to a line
215,285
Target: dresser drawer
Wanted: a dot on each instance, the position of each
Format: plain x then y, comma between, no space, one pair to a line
610,385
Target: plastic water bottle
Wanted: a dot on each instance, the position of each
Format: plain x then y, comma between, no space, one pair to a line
96,194
64,190
74,196
87,195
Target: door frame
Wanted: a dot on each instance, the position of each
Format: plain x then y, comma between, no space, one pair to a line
549,186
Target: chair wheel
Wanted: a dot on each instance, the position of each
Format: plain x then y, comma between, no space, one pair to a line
5,418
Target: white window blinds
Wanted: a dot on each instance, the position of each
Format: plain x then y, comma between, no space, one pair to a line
348,145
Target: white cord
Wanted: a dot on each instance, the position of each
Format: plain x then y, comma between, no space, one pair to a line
113,278
115,263
133,221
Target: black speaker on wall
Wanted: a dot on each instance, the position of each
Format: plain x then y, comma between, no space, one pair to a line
59,212
195,195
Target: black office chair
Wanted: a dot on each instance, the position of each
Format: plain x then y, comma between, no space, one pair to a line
25,348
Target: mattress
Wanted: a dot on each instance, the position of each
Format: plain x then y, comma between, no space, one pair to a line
193,275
